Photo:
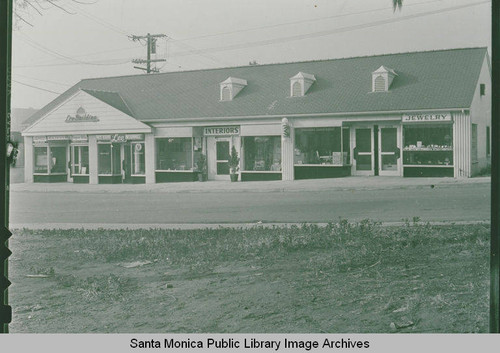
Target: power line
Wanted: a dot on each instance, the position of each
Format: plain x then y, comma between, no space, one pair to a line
40,88
98,20
46,50
203,52
55,63
193,48
301,21
180,42
326,32
47,81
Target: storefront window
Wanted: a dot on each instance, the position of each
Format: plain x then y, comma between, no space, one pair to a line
428,145
321,146
138,159
109,159
57,159
80,160
174,153
50,159
41,160
262,153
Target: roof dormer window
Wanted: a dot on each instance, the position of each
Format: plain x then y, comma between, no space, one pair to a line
382,79
231,87
300,84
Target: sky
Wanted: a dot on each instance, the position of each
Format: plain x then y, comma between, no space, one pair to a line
59,46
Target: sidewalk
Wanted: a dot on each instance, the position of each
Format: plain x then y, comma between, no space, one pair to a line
313,185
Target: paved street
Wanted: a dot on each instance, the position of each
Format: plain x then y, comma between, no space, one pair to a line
468,201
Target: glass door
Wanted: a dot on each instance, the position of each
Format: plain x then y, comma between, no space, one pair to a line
80,160
222,148
127,163
363,151
389,151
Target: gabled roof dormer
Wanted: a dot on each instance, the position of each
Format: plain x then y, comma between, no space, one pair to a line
231,87
300,84
382,79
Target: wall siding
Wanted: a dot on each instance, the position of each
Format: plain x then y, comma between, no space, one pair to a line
110,119
462,147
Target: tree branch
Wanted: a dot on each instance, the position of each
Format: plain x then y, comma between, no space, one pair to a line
22,19
29,3
62,8
85,3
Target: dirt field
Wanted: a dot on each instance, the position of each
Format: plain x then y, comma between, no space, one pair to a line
343,278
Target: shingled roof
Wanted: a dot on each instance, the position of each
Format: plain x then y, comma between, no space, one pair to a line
443,79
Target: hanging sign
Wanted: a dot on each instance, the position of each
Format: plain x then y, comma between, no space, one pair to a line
221,130
103,137
134,137
81,116
57,138
79,138
38,139
425,118
118,138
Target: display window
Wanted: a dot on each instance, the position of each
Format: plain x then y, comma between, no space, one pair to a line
41,159
108,159
138,158
428,145
321,146
262,153
174,153
50,159
80,162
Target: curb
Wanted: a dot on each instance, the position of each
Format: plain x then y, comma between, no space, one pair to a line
312,186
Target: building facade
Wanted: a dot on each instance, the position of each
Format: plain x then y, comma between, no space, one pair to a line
408,115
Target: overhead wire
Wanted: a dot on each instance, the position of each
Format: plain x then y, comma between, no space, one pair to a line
98,20
40,88
326,32
204,52
46,50
301,21
41,80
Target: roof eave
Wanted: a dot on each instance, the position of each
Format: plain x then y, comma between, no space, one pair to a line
223,118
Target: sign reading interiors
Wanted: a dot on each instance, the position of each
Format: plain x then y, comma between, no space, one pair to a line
425,118
221,130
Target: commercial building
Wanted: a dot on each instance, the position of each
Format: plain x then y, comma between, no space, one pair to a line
408,114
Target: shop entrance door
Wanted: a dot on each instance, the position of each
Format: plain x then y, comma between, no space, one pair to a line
363,151
222,148
389,150
126,163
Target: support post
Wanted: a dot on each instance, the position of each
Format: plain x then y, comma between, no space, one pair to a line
150,151
28,159
93,160
287,148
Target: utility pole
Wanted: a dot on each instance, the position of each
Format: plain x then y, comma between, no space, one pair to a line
151,49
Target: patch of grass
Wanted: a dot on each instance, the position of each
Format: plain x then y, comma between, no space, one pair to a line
343,277
41,270
98,287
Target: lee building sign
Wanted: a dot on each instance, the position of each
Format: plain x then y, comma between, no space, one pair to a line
81,116
423,118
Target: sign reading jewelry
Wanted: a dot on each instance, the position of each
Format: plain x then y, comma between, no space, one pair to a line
81,116
422,118
221,130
